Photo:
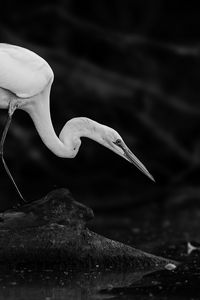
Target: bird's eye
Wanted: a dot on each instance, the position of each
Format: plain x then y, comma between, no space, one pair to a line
117,142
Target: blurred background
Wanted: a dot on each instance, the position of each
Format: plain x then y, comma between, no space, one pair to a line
132,65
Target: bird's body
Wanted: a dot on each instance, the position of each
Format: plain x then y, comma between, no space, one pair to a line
25,83
23,72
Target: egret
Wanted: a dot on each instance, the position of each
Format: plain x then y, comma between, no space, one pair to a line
25,83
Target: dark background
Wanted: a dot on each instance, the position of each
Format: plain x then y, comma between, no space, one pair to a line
132,65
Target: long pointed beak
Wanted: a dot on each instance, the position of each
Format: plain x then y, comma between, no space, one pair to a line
134,160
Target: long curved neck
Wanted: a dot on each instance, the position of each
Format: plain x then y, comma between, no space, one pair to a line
79,127
38,109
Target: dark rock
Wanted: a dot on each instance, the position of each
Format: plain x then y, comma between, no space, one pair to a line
52,232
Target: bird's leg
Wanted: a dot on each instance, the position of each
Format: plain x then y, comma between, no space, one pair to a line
12,107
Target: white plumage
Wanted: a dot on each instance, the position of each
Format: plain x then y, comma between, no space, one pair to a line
25,83
22,71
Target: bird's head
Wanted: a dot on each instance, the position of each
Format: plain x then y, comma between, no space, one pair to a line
113,141
76,128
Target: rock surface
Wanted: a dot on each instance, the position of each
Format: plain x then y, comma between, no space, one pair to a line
52,232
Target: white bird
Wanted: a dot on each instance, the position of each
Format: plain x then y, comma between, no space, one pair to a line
25,83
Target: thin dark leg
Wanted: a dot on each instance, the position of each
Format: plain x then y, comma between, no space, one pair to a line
2,157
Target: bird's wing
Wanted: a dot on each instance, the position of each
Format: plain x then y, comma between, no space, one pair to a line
22,71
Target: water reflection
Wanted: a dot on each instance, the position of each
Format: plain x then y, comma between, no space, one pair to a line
48,285
182,283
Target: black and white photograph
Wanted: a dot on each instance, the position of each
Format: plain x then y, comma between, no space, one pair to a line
100,150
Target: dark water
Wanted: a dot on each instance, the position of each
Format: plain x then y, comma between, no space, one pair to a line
26,284
158,228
